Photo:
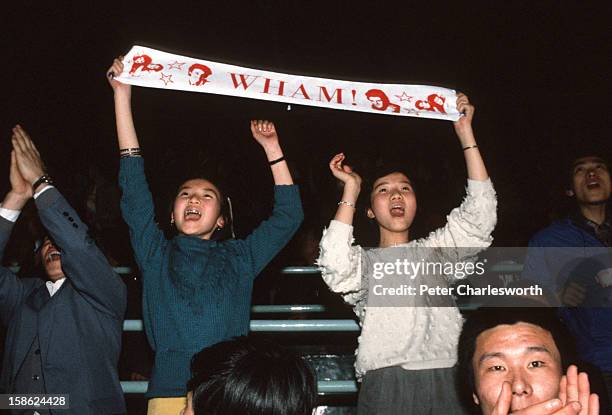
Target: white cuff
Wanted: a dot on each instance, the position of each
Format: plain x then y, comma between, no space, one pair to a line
44,189
9,214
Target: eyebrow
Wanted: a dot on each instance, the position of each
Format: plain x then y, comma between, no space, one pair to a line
590,161
209,189
528,350
401,181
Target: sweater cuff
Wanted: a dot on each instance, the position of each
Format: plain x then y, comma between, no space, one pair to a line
130,166
477,187
288,195
341,230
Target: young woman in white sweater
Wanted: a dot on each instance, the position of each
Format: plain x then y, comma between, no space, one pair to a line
407,349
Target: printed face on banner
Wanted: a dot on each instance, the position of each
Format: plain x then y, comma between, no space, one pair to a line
198,74
380,101
434,103
144,63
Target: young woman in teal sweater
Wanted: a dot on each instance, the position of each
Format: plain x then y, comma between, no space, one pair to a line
196,291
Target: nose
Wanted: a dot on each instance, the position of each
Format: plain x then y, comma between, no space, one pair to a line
520,386
194,199
395,195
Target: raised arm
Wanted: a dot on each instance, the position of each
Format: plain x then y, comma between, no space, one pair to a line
126,132
470,225
463,128
136,200
12,289
274,233
264,132
339,261
84,264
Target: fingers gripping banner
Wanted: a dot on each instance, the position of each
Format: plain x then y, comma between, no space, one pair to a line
155,69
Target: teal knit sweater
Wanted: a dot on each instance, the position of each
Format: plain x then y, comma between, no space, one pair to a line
196,292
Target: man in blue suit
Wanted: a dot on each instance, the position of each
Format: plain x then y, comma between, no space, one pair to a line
63,330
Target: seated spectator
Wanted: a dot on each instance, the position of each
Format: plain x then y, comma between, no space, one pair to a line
514,358
248,376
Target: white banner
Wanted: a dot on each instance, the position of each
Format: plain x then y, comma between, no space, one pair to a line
153,68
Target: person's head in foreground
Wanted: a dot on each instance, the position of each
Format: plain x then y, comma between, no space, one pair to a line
249,376
514,360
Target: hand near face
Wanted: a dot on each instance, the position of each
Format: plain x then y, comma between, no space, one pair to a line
575,387
27,157
574,398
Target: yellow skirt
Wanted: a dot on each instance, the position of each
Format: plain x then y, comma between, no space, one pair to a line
166,406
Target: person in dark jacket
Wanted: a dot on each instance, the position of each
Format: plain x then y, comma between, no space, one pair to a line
63,328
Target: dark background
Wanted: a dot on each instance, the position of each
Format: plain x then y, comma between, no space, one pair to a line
536,71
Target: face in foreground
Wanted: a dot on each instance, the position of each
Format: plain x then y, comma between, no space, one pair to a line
197,209
591,181
393,203
51,259
521,354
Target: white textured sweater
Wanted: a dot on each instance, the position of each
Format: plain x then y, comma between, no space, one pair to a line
413,337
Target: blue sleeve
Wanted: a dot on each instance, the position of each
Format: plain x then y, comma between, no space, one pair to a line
12,289
275,232
84,264
138,211
536,267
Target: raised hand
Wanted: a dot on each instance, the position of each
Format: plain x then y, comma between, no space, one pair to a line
575,398
265,133
27,157
551,407
20,187
115,70
463,126
575,387
344,172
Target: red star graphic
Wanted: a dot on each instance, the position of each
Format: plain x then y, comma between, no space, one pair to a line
405,97
176,65
167,79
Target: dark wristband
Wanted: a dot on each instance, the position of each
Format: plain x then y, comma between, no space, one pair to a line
45,178
278,160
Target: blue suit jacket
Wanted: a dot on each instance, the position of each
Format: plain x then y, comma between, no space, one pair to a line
79,328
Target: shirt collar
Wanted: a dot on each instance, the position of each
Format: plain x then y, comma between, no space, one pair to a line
54,287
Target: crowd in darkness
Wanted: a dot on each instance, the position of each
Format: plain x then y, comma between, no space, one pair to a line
535,75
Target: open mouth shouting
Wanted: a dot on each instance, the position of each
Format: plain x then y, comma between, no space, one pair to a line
593,184
192,214
397,210
52,255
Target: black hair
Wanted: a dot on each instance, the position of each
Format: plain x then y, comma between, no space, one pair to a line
248,376
384,169
523,310
570,163
226,208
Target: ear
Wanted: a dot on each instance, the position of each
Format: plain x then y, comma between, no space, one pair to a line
172,218
475,398
220,222
370,213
